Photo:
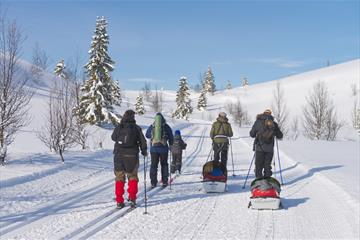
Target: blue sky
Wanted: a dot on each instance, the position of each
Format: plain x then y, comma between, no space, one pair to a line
159,41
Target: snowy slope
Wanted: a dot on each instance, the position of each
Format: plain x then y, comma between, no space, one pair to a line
44,199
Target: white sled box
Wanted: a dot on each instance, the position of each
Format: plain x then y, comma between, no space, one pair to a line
264,203
214,186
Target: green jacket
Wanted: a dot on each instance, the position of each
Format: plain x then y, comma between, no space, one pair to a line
221,130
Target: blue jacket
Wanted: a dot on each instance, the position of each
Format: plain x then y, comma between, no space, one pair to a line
169,139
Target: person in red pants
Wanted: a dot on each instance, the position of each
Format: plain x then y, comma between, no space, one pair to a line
129,139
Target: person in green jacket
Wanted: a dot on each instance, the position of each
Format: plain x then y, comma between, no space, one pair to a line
220,133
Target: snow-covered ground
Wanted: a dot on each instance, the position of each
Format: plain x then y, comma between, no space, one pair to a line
42,198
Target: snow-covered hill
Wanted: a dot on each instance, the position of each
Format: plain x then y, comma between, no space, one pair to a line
44,199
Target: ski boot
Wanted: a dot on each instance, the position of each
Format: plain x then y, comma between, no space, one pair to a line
120,205
132,203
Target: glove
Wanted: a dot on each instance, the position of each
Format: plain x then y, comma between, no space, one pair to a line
144,153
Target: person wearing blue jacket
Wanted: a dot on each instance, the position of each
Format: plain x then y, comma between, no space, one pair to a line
159,149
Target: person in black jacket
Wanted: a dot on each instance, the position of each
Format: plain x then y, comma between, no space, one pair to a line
128,138
176,149
264,130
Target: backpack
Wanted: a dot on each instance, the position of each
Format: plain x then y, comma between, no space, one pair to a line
158,133
128,136
266,134
177,146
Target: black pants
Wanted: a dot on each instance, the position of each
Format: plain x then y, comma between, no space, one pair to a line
221,152
263,164
176,162
155,159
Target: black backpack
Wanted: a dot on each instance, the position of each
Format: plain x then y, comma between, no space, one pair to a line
128,136
267,132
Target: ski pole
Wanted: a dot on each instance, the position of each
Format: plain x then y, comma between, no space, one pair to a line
277,148
274,161
208,155
145,212
249,171
232,158
170,170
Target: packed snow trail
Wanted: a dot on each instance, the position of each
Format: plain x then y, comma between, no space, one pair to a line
314,207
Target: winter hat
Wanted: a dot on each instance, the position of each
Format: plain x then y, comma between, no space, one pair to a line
222,114
267,111
177,132
129,115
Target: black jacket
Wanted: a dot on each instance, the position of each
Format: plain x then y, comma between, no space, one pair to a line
258,127
129,151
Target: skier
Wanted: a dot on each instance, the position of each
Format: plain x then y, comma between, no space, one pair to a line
160,134
220,132
176,149
128,138
264,130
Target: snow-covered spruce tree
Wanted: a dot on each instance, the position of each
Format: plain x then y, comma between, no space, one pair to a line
202,101
184,108
209,82
96,102
245,82
228,85
139,105
116,93
60,70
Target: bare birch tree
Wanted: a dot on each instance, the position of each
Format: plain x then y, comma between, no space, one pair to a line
238,112
58,133
147,91
295,128
279,108
156,101
14,95
320,119
81,134
40,62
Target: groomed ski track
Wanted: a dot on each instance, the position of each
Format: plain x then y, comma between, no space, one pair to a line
83,206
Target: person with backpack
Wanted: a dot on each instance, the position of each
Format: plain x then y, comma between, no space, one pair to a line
128,138
176,149
264,130
160,134
220,133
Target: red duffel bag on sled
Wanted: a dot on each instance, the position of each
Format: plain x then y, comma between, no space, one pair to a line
265,194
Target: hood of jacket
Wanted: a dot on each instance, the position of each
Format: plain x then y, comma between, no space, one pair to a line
263,116
222,119
163,121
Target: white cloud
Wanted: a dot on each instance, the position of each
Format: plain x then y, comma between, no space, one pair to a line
284,63
221,63
148,80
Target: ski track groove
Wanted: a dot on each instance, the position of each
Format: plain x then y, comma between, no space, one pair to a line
45,198
127,210
203,225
